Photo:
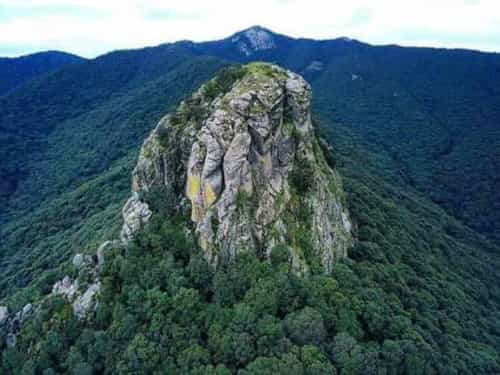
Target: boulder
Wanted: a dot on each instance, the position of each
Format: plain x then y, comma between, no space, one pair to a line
78,260
135,214
87,301
66,288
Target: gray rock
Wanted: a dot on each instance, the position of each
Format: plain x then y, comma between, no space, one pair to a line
315,66
26,311
101,252
238,167
4,314
78,260
87,301
135,214
66,288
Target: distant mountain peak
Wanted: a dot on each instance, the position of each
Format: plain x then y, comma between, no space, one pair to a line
253,39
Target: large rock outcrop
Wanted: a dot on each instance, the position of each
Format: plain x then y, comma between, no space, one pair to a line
241,154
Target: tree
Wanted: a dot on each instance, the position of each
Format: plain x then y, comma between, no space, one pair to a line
305,327
287,364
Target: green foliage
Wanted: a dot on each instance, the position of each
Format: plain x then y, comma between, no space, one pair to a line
280,254
161,200
163,309
245,203
224,81
16,71
302,176
190,111
164,134
305,327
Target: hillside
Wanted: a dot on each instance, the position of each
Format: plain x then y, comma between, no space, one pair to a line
17,70
414,138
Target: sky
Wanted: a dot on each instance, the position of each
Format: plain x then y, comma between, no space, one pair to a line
92,27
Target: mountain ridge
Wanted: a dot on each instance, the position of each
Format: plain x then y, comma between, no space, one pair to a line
17,70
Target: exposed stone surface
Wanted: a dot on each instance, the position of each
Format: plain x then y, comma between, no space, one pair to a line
4,314
101,252
11,323
315,66
253,172
83,300
78,260
87,301
26,311
135,214
66,288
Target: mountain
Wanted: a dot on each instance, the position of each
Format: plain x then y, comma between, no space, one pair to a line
414,137
15,71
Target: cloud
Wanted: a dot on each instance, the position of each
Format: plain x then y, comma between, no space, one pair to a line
92,27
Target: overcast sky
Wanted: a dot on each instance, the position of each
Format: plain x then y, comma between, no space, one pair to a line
92,27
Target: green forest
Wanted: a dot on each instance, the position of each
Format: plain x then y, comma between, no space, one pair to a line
391,308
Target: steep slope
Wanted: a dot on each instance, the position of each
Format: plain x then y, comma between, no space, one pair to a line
243,151
17,70
431,111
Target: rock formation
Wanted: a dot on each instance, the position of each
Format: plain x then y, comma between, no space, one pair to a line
83,300
11,323
241,154
80,292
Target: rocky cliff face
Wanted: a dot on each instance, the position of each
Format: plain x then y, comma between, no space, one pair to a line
242,156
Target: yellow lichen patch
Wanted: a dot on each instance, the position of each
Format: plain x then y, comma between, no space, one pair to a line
196,212
193,187
268,163
204,244
209,196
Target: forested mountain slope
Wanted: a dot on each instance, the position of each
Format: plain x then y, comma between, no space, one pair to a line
415,136
17,70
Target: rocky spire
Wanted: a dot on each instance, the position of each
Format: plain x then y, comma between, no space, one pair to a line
242,156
